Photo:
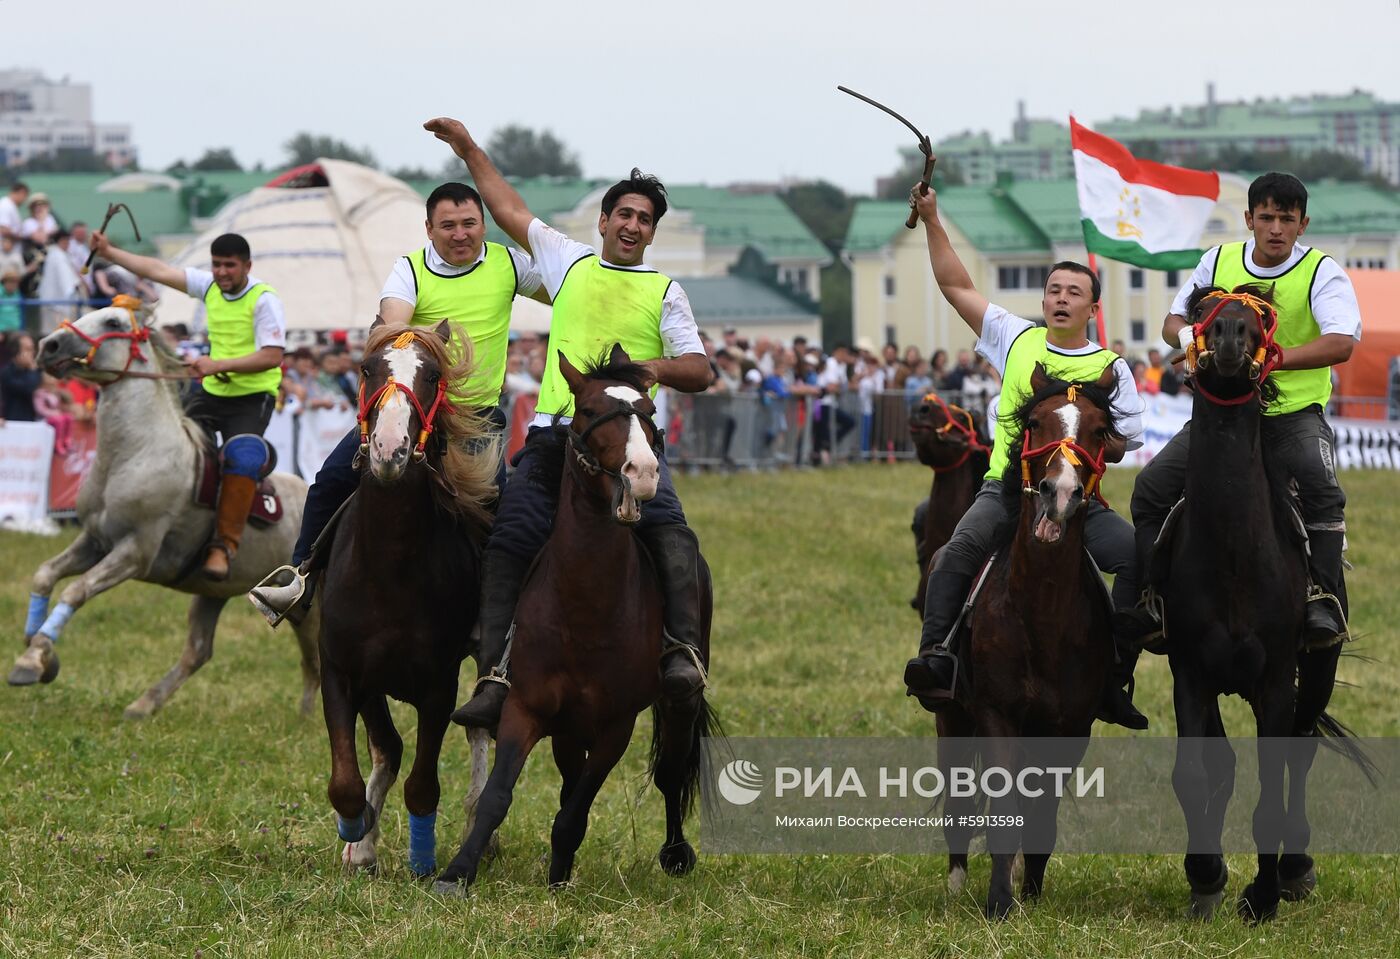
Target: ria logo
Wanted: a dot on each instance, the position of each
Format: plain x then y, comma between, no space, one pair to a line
740,782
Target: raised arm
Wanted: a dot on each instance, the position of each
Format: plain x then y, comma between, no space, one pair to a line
146,267
504,204
953,280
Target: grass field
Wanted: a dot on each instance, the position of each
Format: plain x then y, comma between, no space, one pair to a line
206,831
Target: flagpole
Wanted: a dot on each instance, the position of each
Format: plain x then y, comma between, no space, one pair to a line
1094,266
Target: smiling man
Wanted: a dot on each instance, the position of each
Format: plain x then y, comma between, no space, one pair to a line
599,300
1014,346
235,398
1319,323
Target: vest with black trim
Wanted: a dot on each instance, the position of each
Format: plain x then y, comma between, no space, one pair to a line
596,306
477,303
232,334
1297,389
1028,349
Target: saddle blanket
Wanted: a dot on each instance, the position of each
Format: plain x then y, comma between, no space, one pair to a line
267,505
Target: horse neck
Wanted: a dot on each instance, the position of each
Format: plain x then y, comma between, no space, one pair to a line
1225,467
139,421
584,527
404,506
1046,577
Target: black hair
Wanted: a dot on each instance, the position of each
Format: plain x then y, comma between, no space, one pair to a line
643,185
457,193
603,368
1096,288
1284,189
19,185
231,244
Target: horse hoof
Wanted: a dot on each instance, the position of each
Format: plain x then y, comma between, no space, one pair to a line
1299,887
1254,910
677,860
141,709
50,672
352,865
24,675
957,878
451,890
1204,904
999,908
38,664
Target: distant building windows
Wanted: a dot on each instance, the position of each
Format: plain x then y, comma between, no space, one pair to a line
1366,263
1173,279
1136,280
1008,277
889,286
1036,277
1137,331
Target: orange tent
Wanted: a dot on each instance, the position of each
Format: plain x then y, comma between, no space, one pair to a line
1367,373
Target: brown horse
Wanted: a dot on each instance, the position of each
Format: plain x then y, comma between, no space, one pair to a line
584,660
947,439
399,591
1041,636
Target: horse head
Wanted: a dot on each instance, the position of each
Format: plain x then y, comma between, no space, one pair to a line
101,345
944,435
403,385
1065,428
614,440
1233,349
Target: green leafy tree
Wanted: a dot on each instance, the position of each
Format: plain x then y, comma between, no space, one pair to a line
67,160
824,208
521,152
308,148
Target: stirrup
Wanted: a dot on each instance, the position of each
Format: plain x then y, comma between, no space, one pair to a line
676,646
1316,594
496,675
275,600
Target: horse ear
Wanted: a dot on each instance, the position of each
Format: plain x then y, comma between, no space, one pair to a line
378,322
1107,377
619,356
571,375
1039,379
444,330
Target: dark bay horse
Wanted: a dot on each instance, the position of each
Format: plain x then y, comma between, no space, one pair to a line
399,593
947,439
1041,636
584,660
1234,616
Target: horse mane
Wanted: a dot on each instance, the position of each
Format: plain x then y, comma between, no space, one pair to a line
469,456
603,368
1268,390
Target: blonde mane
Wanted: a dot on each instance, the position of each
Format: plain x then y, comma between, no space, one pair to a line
466,472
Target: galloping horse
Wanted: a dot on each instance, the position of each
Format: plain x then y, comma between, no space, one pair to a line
1234,616
948,439
400,591
1041,637
588,635
137,505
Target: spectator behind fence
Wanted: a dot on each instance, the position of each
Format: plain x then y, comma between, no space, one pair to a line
78,249
40,226
938,368
11,256
19,379
10,205
11,308
519,382
954,380
50,405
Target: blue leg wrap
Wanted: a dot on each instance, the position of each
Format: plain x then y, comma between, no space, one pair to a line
53,626
422,844
245,455
353,830
38,612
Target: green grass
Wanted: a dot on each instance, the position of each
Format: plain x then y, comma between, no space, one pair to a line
206,831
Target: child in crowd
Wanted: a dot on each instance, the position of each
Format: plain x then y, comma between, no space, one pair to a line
51,403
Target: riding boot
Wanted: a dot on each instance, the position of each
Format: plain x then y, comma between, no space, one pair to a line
502,575
235,500
675,552
1325,622
931,675
1116,705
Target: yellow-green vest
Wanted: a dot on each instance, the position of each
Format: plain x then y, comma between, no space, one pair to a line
1027,350
1297,389
232,334
478,304
597,306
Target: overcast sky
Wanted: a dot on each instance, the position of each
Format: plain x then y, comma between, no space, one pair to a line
702,91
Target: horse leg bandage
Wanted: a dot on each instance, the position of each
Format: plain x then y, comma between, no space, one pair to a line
38,612
53,626
353,830
422,844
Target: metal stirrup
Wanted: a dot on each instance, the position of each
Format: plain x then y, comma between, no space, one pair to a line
679,647
497,673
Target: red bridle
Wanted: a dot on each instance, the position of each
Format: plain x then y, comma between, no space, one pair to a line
380,398
1070,450
968,430
1266,358
137,335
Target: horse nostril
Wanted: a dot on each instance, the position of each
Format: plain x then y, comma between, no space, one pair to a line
50,347
1046,487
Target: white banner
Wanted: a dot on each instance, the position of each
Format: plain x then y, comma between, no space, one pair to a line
26,453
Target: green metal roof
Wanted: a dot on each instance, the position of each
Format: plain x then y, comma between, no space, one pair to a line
985,215
1339,208
75,197
760,220
1052,205
737,299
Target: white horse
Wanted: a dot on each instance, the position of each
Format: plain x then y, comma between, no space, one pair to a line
137,506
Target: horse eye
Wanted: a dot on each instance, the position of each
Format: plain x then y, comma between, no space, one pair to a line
1033,425
434,377
585,411
364,372
113,323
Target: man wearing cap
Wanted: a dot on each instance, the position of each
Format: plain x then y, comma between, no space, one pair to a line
247,332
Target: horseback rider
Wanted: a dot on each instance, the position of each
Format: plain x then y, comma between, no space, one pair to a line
247,330
461,276
1014,346
1319,323
599,300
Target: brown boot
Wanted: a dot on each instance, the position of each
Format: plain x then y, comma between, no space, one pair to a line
235,501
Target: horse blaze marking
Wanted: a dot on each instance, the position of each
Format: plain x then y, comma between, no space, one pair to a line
1067,479
397,413
639,454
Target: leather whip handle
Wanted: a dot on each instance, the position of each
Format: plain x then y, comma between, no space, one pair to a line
929,161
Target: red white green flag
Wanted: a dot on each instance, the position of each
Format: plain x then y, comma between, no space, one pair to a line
1137,211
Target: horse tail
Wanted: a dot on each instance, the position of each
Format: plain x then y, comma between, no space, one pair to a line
1340,738
706,725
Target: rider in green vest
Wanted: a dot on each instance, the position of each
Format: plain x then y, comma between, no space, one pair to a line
599,300
458,276
1014,346
1319,323
236,397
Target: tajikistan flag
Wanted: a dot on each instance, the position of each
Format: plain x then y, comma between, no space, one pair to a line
1140,212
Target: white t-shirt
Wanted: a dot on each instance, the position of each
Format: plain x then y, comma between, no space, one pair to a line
78,253
32,225
402,286
1000,329
1333,298
269,322
554,253
9,216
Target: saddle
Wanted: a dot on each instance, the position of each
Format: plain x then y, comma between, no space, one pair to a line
267,505
1159,558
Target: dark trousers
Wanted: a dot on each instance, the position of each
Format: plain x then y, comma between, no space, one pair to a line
229,415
